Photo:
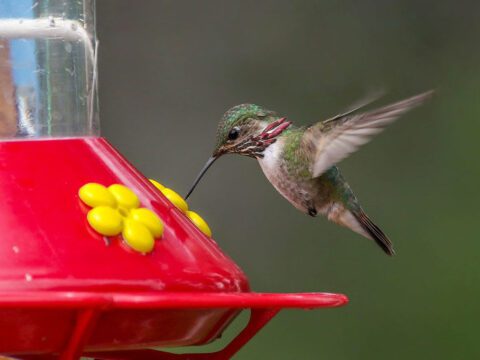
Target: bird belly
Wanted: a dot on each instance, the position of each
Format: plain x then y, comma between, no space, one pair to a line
297,191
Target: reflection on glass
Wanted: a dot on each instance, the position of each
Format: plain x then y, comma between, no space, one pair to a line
47,68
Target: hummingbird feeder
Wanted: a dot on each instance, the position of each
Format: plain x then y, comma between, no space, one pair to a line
96,260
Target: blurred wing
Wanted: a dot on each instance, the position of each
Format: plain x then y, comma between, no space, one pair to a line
336,138
372,97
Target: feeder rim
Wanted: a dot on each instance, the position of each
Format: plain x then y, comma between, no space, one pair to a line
169,300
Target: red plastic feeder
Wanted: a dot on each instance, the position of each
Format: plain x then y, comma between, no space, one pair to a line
65,289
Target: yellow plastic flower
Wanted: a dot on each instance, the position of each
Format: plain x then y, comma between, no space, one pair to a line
116,210
175,199
182,205
199,223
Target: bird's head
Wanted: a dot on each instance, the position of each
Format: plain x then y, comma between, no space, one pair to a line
239,129
245,129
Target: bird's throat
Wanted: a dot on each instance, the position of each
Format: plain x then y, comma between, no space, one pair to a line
256,145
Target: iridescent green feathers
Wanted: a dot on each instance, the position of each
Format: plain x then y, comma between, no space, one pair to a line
237,116
297,157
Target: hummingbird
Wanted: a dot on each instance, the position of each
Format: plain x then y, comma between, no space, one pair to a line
300,161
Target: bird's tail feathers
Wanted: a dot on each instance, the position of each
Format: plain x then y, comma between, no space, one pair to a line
358,221
374,232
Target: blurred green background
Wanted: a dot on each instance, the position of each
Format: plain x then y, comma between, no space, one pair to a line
168,71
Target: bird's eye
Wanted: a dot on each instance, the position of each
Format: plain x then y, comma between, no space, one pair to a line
233,134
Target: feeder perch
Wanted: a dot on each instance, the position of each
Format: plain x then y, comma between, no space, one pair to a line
74,281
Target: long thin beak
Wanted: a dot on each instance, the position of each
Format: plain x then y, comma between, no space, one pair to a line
200,175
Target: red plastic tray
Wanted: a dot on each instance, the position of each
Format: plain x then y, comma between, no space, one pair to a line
90,311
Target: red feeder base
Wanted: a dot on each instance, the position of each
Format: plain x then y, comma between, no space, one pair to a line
65,292
92,316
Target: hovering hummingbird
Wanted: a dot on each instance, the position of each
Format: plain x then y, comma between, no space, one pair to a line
300,161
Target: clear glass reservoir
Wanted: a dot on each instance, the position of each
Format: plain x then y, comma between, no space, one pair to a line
47,68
